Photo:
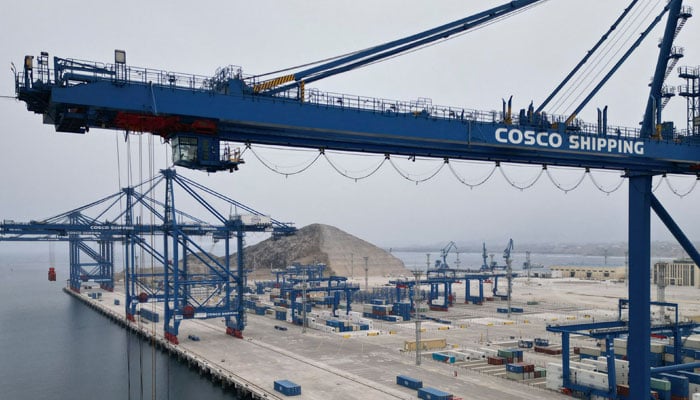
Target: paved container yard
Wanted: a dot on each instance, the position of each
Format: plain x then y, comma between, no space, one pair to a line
364,364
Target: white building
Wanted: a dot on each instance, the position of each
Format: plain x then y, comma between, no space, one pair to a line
677,272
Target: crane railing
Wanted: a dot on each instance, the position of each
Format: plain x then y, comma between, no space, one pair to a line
69,72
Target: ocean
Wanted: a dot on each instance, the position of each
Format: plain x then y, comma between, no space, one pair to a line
54,347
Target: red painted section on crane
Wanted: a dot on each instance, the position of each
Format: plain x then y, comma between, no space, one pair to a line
161,125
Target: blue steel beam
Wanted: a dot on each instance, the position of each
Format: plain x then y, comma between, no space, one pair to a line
376,53
653,109
588,55
675,230
639,284
618,64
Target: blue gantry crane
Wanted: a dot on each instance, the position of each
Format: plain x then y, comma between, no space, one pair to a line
170,280
196,114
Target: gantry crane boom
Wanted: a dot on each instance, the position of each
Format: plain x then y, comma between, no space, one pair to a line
197,113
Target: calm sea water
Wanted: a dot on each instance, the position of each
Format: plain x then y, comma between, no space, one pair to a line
54,347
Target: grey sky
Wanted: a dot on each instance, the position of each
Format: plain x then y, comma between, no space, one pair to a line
44,172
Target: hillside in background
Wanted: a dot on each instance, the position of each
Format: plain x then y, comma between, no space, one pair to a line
342,252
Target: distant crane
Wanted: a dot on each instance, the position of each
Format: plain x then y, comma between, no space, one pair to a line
509,270
442,264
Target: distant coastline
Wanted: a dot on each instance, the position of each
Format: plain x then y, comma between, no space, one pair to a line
663,249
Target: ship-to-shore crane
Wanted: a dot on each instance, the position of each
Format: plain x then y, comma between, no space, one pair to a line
195,114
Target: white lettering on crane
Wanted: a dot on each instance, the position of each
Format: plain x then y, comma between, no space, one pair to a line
555,140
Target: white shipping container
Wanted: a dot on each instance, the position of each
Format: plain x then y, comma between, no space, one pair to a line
693,388
657,347
692,342
602,364
590,351
595,380
488,351
696,396
582,366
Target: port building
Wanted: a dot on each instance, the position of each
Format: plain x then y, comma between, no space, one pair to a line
680,272
600,273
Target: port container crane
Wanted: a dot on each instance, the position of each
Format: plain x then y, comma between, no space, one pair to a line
196,114
172,280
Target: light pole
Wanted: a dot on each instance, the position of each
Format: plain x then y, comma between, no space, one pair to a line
416,299
366,273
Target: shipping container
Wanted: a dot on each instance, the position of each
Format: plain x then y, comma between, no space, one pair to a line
287,388
426,344
409,382
444,358
429,393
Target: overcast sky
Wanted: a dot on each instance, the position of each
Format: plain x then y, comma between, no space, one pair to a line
44,173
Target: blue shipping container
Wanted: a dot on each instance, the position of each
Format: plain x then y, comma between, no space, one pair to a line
515,368
433,394
409,382
287,388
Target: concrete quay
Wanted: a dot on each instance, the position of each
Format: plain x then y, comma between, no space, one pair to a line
356,366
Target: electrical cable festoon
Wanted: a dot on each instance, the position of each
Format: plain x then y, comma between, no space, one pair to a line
561,186
361,174
514,184
678,193
603,189
479,182
346,174
276,169
407,176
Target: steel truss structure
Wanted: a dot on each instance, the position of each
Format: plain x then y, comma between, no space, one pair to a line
212,290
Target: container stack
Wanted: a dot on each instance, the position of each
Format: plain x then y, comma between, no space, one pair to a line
402,310
511,355
520,371
378,309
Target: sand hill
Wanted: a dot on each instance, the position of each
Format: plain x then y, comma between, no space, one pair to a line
342,252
